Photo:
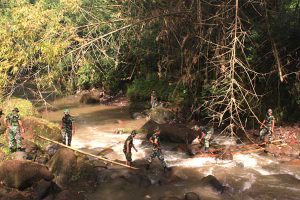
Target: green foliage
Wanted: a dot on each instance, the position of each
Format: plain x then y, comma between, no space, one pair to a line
39,40
25,107
88,77
141,89
60,44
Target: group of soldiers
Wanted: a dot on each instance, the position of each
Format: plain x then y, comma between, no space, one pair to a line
15,129
156,149
203,134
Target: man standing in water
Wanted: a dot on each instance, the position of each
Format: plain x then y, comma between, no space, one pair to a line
15,129
127,147
156,151
204,134
267,127
68,127
153,100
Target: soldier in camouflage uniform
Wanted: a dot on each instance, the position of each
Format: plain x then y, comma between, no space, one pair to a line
68,128
267,127
156,151
204,134
127,147
2,128
153,100
15,128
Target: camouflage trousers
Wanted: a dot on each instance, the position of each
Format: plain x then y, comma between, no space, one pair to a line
128,156
157,153
14,136
206,140
67,136
206,143
265,132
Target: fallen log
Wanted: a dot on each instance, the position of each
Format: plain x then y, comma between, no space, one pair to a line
85,153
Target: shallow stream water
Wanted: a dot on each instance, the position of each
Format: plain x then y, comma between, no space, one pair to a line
248,176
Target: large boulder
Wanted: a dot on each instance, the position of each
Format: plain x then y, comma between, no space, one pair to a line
191,196
161,115
213,182
89,98
22,174
37,126
177,133
41,189
62,165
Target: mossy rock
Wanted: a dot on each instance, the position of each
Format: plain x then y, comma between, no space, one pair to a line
37,126
161,115
25,107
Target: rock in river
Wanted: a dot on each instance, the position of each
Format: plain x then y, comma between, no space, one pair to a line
22,174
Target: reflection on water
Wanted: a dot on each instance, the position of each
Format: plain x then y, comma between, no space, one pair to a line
250,176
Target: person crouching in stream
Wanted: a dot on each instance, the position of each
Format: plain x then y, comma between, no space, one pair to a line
267,127
67,127
204,134
128,145
156,151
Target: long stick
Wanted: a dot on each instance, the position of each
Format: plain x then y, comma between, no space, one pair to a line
85,153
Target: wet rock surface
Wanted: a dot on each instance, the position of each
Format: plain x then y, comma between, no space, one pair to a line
213,182
191,196
89,98
177,133
22,174
161,115
62,165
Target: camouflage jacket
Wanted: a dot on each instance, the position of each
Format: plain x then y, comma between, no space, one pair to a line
13,119
67,122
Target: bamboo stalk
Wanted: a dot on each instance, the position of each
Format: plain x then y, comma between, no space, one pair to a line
85,153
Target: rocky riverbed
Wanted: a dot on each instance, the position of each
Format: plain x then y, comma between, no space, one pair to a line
47,171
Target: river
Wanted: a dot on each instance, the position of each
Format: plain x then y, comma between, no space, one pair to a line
250,176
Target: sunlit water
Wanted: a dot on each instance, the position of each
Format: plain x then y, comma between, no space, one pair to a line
249,176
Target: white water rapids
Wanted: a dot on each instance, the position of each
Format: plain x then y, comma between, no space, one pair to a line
250,176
